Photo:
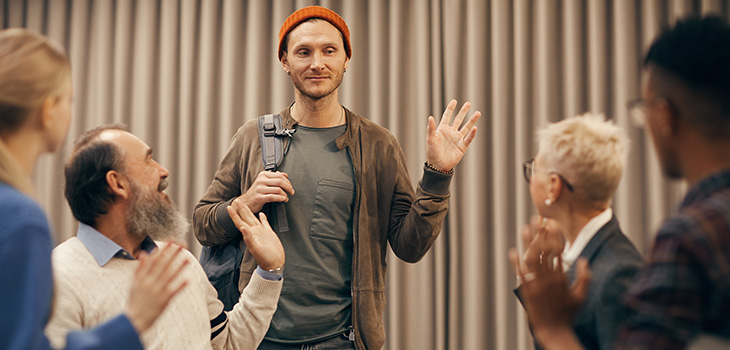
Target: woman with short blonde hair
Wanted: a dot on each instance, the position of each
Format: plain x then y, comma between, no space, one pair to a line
572,180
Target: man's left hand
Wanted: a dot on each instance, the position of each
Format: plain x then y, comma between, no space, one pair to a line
447,144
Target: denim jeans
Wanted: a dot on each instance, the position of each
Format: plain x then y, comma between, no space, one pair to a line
339,342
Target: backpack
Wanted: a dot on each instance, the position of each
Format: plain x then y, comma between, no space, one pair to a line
222,262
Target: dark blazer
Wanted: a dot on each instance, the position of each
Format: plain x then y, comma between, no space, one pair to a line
613,261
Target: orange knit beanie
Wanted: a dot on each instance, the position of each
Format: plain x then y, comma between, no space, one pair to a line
310,12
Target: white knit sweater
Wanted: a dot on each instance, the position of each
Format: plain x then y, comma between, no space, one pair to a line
87,294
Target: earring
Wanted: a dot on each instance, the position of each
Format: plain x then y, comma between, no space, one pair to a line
288,72
548,201
344,70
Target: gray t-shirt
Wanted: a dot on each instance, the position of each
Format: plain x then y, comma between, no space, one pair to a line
316,298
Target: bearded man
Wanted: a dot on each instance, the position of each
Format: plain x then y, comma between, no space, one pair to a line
115,190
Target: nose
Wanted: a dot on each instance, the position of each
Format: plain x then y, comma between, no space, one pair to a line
317,61
164,173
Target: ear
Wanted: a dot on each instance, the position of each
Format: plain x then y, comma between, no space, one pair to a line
48,112
667,117
118,184
556,188
285,63
347,60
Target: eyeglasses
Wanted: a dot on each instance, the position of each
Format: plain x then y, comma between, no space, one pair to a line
529,168
637,112
637,109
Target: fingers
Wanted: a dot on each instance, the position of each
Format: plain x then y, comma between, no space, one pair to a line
515,260
264,221
431,127
242,216
469,126
237,221
272,180
470,137
461,115
244,212
448,112
527,236
168,272
579,289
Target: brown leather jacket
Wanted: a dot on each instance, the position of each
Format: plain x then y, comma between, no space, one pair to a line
386,207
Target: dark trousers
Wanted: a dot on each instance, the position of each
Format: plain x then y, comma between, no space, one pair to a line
338,342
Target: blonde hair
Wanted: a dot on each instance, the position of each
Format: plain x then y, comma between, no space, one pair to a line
32,68
589,151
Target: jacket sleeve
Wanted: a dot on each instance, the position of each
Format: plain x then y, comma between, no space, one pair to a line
610,312
415,223
117,333
25,282
211,222
245,326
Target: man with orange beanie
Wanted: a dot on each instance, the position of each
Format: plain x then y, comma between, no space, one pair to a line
346,190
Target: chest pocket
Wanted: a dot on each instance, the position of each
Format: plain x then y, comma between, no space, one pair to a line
332,211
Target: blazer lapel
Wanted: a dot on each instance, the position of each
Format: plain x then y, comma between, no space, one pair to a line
589,252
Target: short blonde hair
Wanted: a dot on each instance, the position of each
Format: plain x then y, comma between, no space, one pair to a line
589,151
32,68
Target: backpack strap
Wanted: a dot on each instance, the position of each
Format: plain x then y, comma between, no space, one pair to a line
271,136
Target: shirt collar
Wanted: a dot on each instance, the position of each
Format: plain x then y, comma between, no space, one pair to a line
589,230
104,249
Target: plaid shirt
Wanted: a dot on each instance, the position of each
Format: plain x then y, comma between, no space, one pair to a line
685,289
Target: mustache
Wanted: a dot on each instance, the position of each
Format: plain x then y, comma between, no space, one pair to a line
163,185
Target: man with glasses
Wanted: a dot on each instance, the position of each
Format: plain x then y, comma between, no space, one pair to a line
683,295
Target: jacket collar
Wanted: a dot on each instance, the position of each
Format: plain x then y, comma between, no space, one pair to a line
353,126
589,252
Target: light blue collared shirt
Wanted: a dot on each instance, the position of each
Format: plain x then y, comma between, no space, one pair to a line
104,249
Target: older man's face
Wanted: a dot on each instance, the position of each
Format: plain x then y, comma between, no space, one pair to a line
151,212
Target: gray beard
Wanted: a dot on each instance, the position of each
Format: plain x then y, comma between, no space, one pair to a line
152,215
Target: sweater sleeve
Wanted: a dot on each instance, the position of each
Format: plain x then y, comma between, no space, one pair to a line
245,326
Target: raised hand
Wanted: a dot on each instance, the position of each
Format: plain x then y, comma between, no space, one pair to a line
152,287
550,304
446,145
261,240
542,241
268,187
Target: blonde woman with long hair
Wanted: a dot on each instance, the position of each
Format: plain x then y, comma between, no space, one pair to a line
35,114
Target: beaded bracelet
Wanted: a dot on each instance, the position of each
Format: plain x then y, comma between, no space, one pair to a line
428,165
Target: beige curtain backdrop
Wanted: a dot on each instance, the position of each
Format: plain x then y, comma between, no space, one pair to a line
183,75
